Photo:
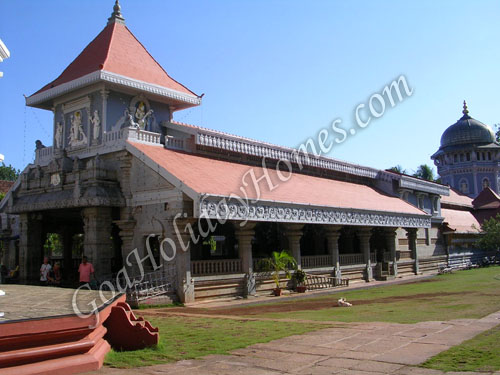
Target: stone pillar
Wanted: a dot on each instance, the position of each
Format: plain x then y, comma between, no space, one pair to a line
181,239
390,236
411,233
364,234
31,247
332,234
244,236
127,237
97,243
294,233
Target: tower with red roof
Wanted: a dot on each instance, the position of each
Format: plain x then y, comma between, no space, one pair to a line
112,84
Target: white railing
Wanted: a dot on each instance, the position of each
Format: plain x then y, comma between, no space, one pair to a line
148,137
175,143
43,155
316,261
215,267
349,259
245,146
113,136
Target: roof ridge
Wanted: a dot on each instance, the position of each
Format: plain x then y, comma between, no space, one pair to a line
109,44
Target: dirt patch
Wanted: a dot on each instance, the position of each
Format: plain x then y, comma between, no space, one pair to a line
298,305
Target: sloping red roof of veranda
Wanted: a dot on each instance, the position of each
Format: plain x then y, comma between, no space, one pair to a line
460,221
117,50
218,177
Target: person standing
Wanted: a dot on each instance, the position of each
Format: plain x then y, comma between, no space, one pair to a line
44,271
86,271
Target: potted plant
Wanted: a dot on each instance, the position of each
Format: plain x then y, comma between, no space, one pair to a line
280,262
299,277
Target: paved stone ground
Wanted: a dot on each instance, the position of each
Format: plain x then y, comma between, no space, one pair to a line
32,302
352,349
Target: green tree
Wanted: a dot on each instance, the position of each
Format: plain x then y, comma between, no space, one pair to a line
490,240
9,173
2,195
280,262
497,132
398,169
425,172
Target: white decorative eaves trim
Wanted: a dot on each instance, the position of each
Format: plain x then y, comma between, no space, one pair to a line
102,75
425,186
220,208
149,87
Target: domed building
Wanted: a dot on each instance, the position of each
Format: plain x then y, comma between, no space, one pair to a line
468,157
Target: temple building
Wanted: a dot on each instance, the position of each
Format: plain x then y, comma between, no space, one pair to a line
468,157
122,175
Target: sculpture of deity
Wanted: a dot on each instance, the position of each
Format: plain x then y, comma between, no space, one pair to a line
96,122
59,135
141,115
77,135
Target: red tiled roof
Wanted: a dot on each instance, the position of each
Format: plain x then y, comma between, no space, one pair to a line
487,199
118,51
456,198
460,221
218,177
5,186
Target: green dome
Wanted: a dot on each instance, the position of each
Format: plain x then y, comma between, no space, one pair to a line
467,131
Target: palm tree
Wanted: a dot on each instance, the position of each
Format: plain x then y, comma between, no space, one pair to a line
398,169
280,262
425,172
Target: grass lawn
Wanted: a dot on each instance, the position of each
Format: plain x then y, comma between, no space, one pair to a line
464,294
482,353
186,338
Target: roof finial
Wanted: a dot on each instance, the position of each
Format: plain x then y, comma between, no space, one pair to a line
116,16
466,110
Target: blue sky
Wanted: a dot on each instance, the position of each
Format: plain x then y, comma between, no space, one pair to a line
276,71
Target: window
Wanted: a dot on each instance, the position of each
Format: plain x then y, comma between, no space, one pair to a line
461,157
455,158
486,183
435,205
468,156
489,155
464,186
478,156
421,202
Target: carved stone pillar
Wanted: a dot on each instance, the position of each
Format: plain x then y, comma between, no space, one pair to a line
364,235
390,237
181,239
411,233
294,233
245,236
127,237
332,234
97,243
31,247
